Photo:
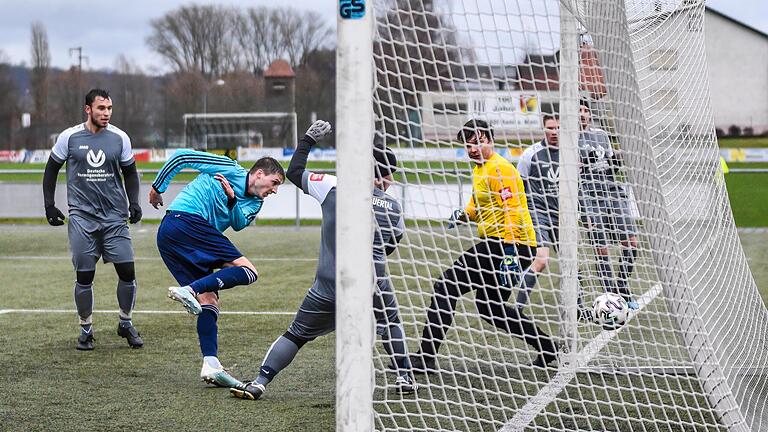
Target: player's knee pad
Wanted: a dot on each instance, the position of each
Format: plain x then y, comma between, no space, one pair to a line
85,277
295,339
126,271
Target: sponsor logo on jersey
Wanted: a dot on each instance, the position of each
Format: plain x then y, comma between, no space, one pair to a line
506,194
553,174
378,202
316,177
96,159
83,147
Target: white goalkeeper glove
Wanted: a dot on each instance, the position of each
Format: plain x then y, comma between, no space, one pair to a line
319,130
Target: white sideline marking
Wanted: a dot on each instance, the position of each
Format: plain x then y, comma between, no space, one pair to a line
64,257
158,312
566,373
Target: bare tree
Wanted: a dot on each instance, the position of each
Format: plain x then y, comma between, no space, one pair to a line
416,50
197,38
9,105
304,33
259,37
132,93
267,34
41,62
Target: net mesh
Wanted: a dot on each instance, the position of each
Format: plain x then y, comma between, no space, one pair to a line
676,364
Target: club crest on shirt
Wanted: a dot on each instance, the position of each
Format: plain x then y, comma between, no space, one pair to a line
506,194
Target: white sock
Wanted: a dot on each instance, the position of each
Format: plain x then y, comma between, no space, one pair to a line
212,362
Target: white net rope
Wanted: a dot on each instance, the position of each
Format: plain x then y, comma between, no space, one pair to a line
693,355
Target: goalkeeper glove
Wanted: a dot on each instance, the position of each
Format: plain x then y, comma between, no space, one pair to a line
319,130
457,216
509,269
54,216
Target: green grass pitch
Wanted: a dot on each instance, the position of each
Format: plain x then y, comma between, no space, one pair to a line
48,385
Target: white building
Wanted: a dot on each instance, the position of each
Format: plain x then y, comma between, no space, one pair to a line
673,73
737,58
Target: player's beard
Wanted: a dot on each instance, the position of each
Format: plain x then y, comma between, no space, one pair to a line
96,123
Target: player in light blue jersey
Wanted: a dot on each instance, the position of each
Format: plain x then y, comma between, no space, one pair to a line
191,242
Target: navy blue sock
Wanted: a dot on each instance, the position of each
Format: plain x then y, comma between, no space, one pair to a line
208,330
225,278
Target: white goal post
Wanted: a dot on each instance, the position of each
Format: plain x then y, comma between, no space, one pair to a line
638,196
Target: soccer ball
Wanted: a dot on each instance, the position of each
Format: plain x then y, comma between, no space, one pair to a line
610,311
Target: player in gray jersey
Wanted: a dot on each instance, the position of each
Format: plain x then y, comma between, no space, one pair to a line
604,205
317,313
539,167
101,173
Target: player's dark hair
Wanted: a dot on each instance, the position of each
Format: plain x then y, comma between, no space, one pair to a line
549,117
386,161
584,103
94,93
474,127
269,166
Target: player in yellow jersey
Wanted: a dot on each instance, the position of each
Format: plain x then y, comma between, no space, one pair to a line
490,267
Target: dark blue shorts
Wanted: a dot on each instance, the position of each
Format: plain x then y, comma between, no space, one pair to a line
191,248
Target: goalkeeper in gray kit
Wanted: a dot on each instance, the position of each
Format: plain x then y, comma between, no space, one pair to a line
317,314
96,154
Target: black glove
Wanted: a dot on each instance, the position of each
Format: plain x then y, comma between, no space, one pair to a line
134,212
54,216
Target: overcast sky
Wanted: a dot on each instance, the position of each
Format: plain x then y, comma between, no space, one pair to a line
106,29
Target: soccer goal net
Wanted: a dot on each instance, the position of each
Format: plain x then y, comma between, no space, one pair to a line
627,186
228,131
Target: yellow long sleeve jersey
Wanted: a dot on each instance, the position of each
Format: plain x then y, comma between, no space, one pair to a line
498,202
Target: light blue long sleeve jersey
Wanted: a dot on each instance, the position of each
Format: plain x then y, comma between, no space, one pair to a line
205,196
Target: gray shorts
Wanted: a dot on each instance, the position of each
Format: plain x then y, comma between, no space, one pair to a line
90,240
607,219
316,317
545,224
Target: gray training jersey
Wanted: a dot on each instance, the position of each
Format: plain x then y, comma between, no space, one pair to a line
322,187
94,184
388,218
596,154
542,179
389,228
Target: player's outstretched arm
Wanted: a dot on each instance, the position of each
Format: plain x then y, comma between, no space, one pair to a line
131,179
54,216
200,161
319,130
